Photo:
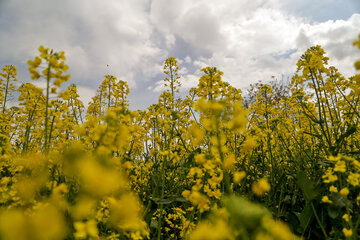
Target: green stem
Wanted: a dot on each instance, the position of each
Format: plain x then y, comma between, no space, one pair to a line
47,107
318,220
6,92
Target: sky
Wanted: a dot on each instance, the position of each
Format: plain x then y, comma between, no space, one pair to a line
248,40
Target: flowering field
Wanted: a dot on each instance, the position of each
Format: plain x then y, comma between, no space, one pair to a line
280,162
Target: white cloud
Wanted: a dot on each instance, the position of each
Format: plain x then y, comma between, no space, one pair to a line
250,43
93,34
268,42
248,40
336,37
85,94
201,27
187,59
189,81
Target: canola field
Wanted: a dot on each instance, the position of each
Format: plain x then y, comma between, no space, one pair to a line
279,162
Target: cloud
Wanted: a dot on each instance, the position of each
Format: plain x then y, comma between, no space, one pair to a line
320,10
93,35
268,42
201,27
252,43
336,37
248,40
85,94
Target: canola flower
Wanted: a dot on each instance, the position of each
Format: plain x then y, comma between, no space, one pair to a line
261,187
278,162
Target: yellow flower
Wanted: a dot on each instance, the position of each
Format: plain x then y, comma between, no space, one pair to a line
238,176
358,200
335,159
84,229
329,177
125,213
340,166
325,199
229,162
333,189
278,230
344,192
164,153
353,179
357,65
217,107
249,144
186,193
212,231
261,187
357,42
53,90
195,171
347,232
263,236
53,61
199,200
128,165
200,158
197,133
62,189
238,122
42,49
91,171
346,217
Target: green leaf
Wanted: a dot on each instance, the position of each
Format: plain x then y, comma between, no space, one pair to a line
338,200
305,217
333,212
180,199
163,201
286,199
307,186
154,223
168,200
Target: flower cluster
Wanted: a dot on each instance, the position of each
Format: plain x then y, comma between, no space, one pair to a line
280,161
